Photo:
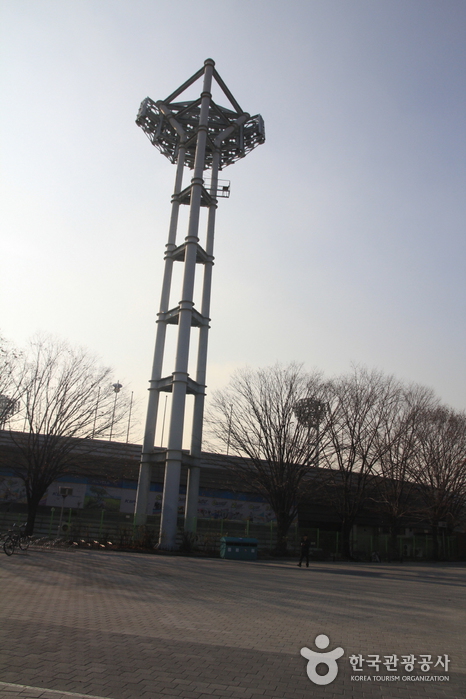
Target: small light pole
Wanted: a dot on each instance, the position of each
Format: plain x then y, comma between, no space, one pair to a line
129,416
229,428
95,414
116,389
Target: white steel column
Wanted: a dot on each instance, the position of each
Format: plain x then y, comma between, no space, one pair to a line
142,495
171,487
198,134
192,487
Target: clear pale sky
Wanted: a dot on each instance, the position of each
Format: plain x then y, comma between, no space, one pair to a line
344,238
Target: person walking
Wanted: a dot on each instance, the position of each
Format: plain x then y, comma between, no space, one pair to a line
305,545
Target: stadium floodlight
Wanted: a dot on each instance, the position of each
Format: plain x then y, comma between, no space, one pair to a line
199,135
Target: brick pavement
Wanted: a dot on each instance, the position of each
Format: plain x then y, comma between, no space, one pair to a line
132,626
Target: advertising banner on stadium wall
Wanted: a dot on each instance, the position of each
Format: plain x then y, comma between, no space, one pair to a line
12,489
101,495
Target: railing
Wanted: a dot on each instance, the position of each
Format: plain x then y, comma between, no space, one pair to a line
223,188
99,527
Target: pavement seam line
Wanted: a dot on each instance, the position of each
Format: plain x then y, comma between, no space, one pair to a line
53,691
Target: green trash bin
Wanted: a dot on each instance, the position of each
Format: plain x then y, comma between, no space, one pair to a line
238,548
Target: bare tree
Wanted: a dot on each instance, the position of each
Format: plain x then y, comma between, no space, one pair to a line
439,469
64,395
255,419
9,358
396,492
359,409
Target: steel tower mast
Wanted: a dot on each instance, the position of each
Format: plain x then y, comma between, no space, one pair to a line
199,135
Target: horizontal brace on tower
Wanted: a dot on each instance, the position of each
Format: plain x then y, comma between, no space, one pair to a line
159,456
184,197
172,317
177,255
166,384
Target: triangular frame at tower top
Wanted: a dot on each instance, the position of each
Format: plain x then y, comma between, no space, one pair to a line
217,79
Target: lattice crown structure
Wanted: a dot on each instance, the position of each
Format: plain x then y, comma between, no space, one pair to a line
161,122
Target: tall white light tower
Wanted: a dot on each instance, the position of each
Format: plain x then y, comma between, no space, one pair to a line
199,135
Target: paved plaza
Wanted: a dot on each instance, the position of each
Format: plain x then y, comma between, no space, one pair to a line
131,626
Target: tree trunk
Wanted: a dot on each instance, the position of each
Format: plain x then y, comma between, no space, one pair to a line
346,550
283,527
435,546
393,552
33,504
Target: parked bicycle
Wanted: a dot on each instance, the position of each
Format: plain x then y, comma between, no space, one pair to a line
16,537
